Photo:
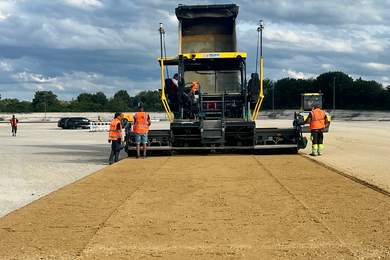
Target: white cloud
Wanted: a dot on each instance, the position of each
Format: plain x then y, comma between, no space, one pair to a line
378,66
69,33
3,16
32,77
6,7
69,85
298,74
305,38
302,37
5,66
85,4
327,66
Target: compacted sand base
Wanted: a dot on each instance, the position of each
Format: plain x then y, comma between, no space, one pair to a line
263,207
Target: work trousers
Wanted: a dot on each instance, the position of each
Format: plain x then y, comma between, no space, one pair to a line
14,129
317,136
115,149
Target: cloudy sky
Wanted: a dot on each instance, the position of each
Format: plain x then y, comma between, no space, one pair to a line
73,46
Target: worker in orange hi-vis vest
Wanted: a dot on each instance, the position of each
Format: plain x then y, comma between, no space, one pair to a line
318,121
141,128
115,138
14,125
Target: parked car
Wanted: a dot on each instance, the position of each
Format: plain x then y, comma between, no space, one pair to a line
61,122
76,122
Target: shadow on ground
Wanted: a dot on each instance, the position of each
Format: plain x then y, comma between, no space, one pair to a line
89,153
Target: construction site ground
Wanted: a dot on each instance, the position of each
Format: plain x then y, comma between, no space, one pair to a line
198,206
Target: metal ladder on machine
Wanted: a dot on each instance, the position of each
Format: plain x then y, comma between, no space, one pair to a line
213,121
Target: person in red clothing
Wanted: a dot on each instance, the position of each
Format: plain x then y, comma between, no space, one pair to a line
318,121
14,125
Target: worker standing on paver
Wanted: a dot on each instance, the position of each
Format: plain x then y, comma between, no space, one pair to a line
318,121
14,125
115,138
141,128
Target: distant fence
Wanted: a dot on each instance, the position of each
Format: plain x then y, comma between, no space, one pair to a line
99,126
105,126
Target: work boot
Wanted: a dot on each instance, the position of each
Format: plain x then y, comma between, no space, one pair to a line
314,150
320,149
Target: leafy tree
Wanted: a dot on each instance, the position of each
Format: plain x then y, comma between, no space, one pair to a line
101,99
45,100
344,89
367,94
288,91
120,102
14,106
90,102
150,100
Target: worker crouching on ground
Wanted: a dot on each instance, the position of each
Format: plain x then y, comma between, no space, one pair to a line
115,138
141,129
318,121
14,125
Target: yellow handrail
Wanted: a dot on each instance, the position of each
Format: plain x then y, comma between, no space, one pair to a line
164,99
261,94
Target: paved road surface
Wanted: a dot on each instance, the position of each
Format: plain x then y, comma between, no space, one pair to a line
204,207
43,158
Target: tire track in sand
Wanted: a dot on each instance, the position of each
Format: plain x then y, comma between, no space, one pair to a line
311,212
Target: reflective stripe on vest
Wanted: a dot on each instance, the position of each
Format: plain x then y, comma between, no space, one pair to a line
114,133
141,124
317,120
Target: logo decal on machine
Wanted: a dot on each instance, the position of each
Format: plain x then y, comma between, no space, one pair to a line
211,55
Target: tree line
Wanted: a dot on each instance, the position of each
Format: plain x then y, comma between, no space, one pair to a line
352,94
85,102
283,94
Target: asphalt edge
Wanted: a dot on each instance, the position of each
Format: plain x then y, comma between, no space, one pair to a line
63,187
348,176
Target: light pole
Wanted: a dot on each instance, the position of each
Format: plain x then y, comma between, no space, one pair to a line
261,27
163,51
273,98
162,32
334,94
261,94
45,100
259,41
